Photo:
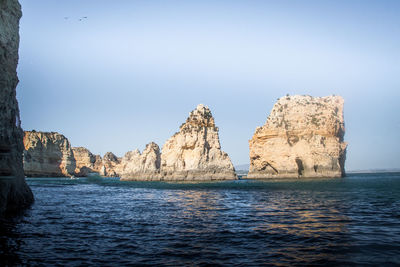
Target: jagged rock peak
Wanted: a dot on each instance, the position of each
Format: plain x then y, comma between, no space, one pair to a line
194,153
199,117
141,166
151,157
302,137
148,160
109,156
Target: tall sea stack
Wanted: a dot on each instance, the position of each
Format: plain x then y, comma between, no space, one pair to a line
14,192
192,154
303,137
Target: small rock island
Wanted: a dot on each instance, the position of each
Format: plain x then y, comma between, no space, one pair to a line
303,137
193,153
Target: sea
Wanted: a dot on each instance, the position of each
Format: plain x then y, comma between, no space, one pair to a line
351,221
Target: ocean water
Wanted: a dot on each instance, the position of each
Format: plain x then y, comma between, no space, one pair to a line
106,222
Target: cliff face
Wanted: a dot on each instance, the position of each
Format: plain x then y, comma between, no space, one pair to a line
86,162
48,154
14,192
51,155
194,153
303,137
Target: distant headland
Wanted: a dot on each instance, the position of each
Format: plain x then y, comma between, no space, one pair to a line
194,153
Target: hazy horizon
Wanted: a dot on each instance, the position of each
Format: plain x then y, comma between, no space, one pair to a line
116,75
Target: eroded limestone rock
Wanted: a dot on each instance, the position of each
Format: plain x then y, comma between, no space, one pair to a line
303,137
86,162
110,165
141,166
194,153
48,154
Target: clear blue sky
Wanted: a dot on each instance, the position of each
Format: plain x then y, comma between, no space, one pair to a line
131,71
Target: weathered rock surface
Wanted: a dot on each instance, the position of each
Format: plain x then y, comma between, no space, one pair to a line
110,165
86,162
14,192
193,153
303,137
48,154
141,166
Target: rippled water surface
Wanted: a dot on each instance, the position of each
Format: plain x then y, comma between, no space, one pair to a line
94,221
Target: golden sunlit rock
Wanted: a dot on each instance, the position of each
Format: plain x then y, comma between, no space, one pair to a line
303,137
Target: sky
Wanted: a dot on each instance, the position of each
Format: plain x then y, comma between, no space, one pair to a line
116,75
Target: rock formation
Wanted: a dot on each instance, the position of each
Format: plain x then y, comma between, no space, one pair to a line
144,166
14,192
86,162
48,154
193,153
303,137
110,165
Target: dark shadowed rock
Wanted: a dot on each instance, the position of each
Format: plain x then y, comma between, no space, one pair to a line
14,192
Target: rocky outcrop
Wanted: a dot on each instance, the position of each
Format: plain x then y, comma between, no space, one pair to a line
136,165
14,192
193,153
86,162
110,165
141,166
303,137
48,154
